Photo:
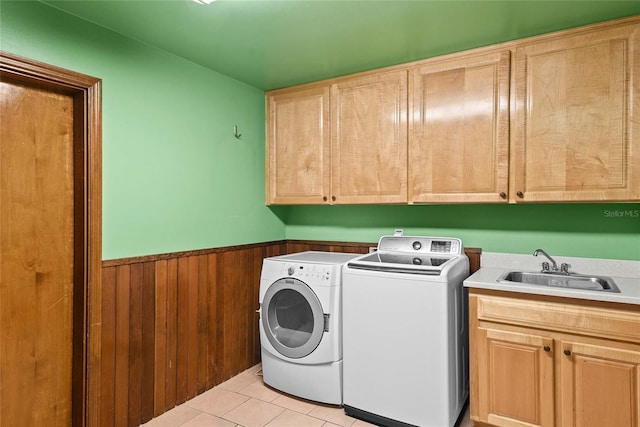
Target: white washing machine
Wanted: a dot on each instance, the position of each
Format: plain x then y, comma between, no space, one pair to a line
301,324
405,334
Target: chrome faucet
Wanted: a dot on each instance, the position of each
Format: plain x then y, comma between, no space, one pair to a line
545,265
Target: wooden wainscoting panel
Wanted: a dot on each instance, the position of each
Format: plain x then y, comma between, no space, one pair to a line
148,338
108,347
121,353
212,321
160,338
176,325
234,277
474,258
182,319
202,324
135,344
224,306
254,320
192,325
171,370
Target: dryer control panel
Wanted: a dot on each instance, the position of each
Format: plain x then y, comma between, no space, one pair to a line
313,271
315,268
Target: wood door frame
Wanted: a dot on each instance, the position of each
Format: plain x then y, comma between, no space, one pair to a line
87,314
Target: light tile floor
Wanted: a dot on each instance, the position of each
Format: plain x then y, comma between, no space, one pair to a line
245,401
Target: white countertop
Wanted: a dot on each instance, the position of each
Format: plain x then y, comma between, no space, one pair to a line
626,274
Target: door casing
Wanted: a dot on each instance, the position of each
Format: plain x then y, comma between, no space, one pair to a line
86,93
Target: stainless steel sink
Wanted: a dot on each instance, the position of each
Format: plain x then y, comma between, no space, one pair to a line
562,280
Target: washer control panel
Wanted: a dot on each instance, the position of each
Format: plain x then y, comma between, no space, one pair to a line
421,245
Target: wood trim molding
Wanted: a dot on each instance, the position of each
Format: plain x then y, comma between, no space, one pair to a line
86,91
94,255
46,73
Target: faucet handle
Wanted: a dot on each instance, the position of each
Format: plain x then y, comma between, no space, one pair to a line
545,265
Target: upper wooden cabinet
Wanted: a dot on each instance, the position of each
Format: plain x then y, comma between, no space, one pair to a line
369,139
355,154
552,118
459,129
577,122
298,153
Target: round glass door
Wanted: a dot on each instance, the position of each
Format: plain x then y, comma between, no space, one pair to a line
292,318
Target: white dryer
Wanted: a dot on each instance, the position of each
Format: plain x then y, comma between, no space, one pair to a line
301,324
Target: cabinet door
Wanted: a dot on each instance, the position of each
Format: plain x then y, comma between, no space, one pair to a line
600,385
459,130
577,130
298,148
369,139
515,378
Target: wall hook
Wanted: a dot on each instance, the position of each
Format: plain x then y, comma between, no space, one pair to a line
235,132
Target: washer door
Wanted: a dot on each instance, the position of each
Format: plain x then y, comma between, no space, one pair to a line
292,318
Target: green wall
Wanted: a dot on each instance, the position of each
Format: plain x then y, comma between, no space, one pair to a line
174,176
605,230
176,179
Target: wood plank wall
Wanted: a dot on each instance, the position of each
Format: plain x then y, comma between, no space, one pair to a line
176,325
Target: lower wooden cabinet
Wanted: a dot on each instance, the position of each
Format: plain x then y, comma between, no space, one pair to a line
515,377
600,384
530,365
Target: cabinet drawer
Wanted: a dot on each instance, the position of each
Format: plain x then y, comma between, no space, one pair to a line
605,322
